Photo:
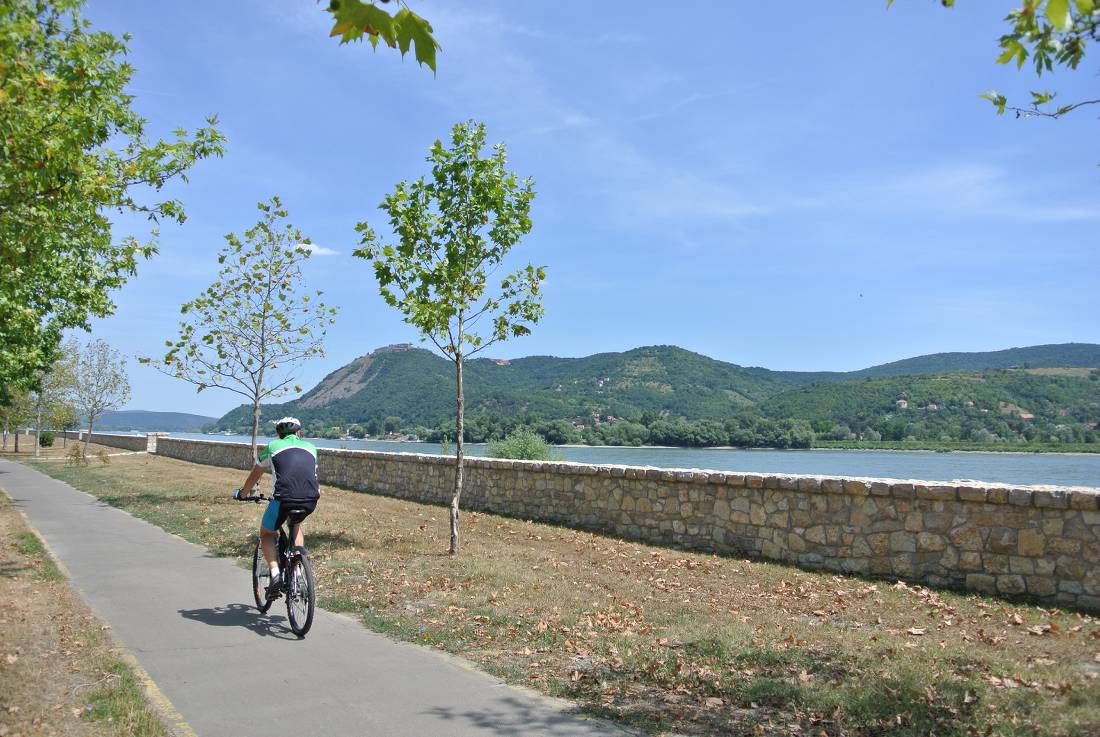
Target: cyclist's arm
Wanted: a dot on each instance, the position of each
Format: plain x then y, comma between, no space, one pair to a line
262,464
253,476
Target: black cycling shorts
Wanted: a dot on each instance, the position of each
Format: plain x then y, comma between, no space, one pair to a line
279,510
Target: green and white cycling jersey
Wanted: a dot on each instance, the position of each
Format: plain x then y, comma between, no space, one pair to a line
293,465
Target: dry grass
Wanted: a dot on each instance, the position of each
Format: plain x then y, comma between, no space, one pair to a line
659,639
58,674
57,452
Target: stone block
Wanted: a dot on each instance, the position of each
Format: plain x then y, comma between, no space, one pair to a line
1084,500
966,537
1091,582
880,488
757,515
855,488
938,521
993,563
903,542
1031,543
914,522
1019,497
970,561
903,491
1011,584
1002,540
753,481
809,485
930,542
1051,499
1025,566
879,543
973,493
1040,586
1067,567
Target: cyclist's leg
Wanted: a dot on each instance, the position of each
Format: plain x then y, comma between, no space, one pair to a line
268,534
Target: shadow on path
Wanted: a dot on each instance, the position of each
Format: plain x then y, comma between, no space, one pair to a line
242,615
513,718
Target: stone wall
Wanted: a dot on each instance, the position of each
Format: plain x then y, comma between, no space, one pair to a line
111,440
1041,543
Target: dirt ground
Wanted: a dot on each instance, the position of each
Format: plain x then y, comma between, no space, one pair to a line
663,640
59,672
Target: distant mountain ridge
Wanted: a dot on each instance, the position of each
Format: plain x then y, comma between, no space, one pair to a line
417,385
147,421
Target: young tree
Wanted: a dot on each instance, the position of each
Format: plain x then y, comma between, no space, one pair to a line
251,330
74,151
63,417
453,231
54,388
100,383
16,412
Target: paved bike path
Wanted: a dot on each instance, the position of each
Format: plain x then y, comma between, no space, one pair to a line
187,617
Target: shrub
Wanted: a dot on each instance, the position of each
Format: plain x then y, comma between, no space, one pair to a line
522,445
103,457
75,456
45,439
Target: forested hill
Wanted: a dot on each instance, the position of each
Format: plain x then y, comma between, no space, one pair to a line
1061,355
418,386
645,392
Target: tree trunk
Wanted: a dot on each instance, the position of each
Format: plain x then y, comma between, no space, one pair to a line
255,429
88,435
38,432
17,441
459,455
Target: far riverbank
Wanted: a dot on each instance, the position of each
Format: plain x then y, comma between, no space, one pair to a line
1063,469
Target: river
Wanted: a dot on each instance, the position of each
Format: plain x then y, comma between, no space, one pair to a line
1065,469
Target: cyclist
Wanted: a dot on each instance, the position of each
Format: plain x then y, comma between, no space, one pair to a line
293,466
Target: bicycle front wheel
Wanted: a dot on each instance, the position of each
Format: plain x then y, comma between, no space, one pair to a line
301,597
261,577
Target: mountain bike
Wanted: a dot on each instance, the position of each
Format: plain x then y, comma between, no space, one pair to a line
297,582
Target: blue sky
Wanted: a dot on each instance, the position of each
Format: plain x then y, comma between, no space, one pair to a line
810,190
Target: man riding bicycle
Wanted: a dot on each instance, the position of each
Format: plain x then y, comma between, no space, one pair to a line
293,466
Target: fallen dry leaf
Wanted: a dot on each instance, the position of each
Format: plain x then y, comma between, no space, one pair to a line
917,631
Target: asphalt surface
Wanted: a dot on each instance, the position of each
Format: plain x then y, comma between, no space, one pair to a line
188,618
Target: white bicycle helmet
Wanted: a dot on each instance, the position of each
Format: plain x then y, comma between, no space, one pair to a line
286,426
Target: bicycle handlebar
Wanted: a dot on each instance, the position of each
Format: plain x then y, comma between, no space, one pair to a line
256,498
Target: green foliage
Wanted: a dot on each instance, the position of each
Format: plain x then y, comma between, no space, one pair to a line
453,231
73,150
521,445
45,439
353,19
1049,33
251,329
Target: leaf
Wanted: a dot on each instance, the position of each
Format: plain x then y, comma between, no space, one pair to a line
916,631
998,100
1084,7
1058,14
411,27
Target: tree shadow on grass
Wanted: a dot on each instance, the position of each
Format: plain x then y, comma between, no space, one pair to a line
242,615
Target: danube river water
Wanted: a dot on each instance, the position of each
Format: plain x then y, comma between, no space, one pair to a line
1007,468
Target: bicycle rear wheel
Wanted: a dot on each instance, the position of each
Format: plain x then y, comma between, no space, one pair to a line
301,597
261,577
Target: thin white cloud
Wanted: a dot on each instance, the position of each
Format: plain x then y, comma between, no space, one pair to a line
317,250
